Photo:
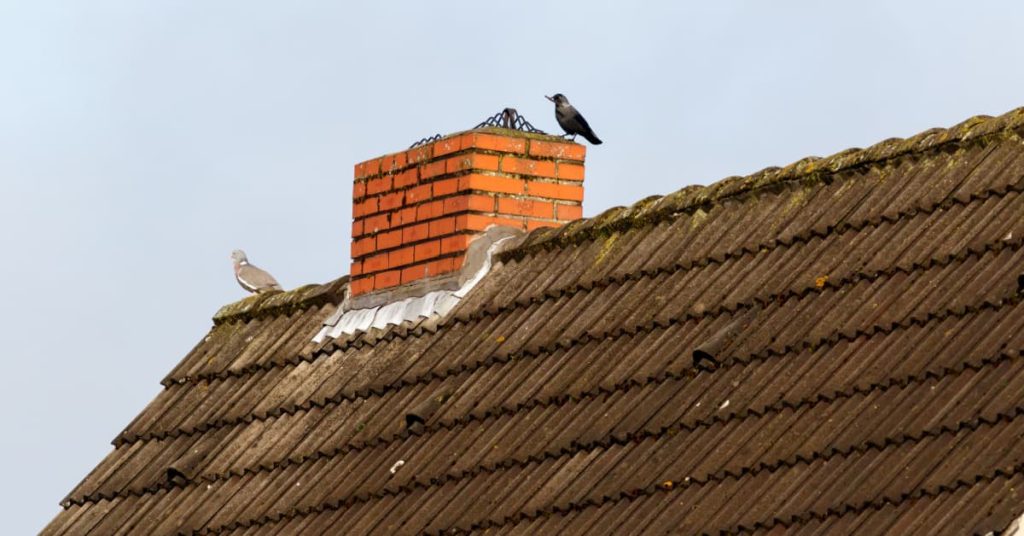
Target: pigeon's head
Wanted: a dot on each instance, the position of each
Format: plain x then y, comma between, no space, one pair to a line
238,256
558,99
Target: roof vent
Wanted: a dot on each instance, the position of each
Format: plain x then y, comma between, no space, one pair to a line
710,353
1020,284
707,354
183,470
421,413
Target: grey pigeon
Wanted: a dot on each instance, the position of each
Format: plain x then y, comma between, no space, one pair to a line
570,120
250,277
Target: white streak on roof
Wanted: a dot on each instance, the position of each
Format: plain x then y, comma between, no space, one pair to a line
1015,528
461,293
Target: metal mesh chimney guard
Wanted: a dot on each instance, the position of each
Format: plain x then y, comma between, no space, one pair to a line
416,211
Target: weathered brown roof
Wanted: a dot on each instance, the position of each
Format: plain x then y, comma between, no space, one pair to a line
872,385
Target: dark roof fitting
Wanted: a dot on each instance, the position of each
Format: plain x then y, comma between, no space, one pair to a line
711,352
421,413
183,470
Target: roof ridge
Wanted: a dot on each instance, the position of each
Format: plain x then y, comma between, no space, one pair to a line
657,208
275,303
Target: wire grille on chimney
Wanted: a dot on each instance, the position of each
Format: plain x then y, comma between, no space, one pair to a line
425,141
507,118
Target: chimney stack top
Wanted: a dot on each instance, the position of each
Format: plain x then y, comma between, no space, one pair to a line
416,211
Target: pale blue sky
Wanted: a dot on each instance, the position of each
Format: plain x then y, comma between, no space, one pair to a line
140,142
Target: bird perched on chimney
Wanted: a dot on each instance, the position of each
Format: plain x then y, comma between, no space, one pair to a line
570,120
250,277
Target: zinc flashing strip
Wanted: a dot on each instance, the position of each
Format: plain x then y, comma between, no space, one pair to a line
435,304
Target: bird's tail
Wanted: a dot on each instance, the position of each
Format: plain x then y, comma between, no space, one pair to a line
592,138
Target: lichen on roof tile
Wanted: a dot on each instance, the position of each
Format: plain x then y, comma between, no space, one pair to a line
971,130
281,302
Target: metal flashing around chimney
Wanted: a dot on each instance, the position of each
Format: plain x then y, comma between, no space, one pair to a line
431,298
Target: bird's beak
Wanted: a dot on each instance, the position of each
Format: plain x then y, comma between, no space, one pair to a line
549,98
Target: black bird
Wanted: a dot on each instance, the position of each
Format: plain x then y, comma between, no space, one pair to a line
570,120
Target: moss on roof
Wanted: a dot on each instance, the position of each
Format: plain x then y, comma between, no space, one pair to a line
275,303
651,210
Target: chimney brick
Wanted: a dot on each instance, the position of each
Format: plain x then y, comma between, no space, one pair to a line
416,211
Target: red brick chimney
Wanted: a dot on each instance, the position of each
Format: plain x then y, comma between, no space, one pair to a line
416,211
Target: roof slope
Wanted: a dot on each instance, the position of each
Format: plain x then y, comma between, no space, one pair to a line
870,381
